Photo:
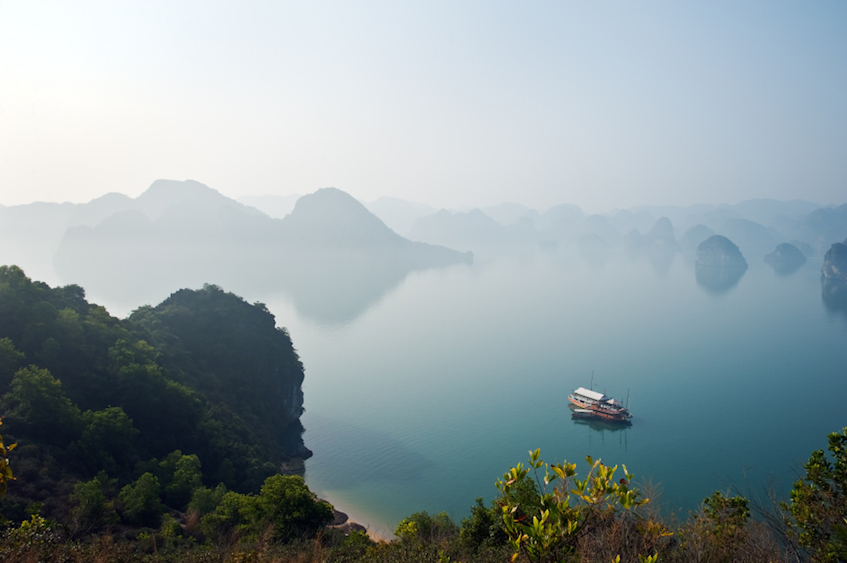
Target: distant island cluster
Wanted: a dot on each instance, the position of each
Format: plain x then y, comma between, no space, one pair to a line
183,233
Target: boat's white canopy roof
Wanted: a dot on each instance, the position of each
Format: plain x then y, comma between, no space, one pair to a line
590,394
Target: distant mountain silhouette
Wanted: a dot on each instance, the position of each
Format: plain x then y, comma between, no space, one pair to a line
276,206
821,227
767,212
400,215
96,210
804,247
658,245
600,226
693,237
459,230
713,218
770,212
626,221
330,217
561,223
510,213
330,254
662,233
163,195
474,231
30,235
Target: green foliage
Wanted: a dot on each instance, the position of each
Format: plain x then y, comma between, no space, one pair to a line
293,509
39,406
572,509
36,533
355,547
285,506
236,513
204,373
186,479
179,475
107,442
158,405
140,503
426,528
170,528
10,360
818,505
727,514
6,474
205,500
92,509
247,370
484,527
719,531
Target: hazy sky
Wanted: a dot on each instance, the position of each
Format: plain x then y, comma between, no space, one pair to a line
452,103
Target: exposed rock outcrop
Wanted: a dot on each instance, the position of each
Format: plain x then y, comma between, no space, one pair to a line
835,262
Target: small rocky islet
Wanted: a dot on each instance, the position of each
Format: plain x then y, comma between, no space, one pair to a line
717,251
786,258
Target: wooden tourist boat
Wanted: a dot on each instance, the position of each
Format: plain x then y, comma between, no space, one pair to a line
592,404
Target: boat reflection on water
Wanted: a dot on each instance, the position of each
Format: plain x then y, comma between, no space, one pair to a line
603,425
602,428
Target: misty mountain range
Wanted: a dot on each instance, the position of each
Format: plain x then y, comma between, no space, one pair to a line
757,225
335,256
330,253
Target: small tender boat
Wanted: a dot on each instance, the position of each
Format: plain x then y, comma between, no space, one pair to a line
597,406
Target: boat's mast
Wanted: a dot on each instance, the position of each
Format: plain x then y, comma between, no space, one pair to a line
592,380
627,399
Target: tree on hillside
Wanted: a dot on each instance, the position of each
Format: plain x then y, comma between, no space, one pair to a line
40,409
567,509
818,505
5,470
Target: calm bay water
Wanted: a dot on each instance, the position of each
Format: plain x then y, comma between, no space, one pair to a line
425,398
423,389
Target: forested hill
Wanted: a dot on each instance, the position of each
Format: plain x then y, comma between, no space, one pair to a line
204,373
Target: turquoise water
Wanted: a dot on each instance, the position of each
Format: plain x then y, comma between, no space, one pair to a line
430,393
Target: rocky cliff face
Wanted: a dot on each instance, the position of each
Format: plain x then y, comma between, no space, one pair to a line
835,262
719,252
234,354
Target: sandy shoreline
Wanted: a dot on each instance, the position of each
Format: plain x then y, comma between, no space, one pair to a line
357,517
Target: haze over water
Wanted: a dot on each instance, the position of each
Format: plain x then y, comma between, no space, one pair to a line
422,388
427,397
